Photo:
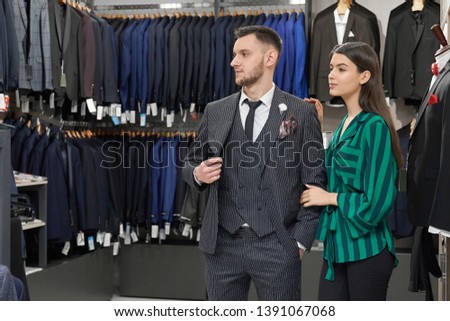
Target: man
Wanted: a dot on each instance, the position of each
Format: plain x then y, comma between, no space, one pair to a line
255,163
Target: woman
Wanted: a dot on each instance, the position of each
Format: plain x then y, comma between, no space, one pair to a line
362,162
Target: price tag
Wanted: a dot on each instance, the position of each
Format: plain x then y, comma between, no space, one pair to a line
66,248
80,239
167,228
107,241
83,109
52,101
91,106
116,248
154,231
91,244
99,112
154,109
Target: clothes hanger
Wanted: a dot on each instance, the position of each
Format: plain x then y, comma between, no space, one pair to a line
417,5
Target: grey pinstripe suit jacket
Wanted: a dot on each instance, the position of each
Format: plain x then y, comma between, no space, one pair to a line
290,220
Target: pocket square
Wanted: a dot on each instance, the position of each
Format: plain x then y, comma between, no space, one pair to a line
288,127
351,34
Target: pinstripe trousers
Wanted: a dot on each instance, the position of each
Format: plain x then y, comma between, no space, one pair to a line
243,257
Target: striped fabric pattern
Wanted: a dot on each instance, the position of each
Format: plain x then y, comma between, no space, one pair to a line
362,170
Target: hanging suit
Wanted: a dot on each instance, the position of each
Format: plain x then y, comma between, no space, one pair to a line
12,76
359,28
409,52
300,85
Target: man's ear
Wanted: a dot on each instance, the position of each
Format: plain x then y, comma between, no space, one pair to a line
272,57
365,76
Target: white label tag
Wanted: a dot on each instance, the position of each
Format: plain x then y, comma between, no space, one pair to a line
91,244
198,235
162,235
167,228
100,237
154,109
181,110
123,118
116,248
147,238
80,239
52,101
163,113
2,102
83,109
154,231
192,108
107,240
41,103
143,120
148,110
121,234
134,237
99,112
184,117
74,107
17,98
25,105
66,248
186,229
133,117
91,105
118,110
127,240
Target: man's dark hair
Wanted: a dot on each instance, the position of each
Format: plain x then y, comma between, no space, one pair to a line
264,34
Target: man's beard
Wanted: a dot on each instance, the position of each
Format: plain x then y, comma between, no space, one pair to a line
254,76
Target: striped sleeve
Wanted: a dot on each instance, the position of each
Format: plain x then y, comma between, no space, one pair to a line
363,210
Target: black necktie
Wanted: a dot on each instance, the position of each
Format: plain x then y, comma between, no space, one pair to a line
251,117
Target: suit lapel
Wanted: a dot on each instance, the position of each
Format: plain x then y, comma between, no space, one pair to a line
272,126
221,121
424,104
419,34
349,26
332,28
23,13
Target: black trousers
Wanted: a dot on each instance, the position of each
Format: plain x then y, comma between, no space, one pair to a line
365,280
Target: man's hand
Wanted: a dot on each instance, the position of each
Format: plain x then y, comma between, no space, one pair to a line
209,170
301,252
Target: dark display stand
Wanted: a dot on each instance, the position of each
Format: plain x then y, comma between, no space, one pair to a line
5,199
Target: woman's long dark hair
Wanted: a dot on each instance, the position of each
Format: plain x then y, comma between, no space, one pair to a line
371,97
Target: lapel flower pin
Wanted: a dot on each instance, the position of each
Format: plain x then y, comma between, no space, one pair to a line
433,99
282,108
435,68
288,127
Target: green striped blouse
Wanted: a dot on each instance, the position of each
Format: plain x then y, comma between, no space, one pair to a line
361,168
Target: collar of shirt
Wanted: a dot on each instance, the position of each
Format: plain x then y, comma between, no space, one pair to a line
341,19
266,98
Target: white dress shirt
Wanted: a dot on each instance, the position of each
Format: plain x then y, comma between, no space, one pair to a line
341,24
261,113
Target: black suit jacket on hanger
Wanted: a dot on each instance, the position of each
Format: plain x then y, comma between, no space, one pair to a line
362,26
409,52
